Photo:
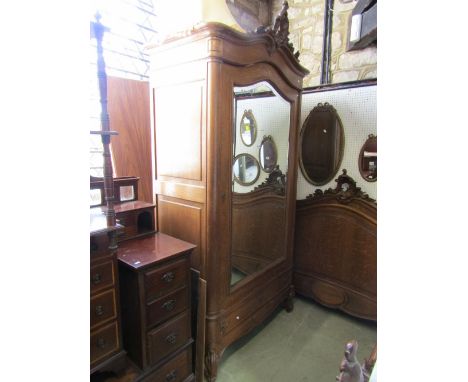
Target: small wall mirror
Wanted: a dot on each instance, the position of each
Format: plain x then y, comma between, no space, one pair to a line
368,159
268,154
246,169
126,193
321,144
248,128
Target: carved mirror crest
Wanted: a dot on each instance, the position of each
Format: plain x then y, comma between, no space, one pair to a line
368,159
268,154
321,144
246,169
248,128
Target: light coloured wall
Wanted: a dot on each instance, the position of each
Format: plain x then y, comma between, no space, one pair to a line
357,108
306,33
272,116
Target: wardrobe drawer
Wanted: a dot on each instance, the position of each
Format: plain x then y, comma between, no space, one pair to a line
168,337
176,369
104,342
102,276
165,279
166,307
103,308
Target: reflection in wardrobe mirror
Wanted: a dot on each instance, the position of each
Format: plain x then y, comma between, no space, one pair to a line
248,128
258,211
245,169
321,144
368,159
268,155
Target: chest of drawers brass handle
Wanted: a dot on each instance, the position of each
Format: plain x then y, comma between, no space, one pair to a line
99,310
168,277
169,305
171,338
101,343
97,278
171,376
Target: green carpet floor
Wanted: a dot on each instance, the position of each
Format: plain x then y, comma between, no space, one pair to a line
304,345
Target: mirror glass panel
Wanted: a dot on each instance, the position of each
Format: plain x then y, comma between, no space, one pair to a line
246,169
368,159
321,144
126,193
268,154
259,199
248,128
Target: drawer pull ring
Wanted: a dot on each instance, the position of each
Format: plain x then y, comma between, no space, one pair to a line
97,278
99,310
171,376
168,277
171,338
101,343
169,305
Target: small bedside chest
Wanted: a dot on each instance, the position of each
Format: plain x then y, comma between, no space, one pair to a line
154,274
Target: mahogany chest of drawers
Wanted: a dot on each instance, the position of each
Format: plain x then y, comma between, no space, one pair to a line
154,277
106,351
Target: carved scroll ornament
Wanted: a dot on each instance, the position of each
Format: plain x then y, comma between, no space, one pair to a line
280,30
345,191
276,181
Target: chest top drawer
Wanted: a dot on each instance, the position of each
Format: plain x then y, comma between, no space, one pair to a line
102,276
166,279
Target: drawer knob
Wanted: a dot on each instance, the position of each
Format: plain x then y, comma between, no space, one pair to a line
101,343
171,376
171,338
168,277
99,310
169,305
97,278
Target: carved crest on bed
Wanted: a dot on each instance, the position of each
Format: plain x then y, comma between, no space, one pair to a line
345,191
275,182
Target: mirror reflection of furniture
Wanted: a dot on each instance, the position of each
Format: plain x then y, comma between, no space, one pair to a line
321,144
268,154
125,190
245,169
203,69
248,128
368,159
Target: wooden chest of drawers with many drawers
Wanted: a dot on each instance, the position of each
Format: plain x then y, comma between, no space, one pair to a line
154,277
106,351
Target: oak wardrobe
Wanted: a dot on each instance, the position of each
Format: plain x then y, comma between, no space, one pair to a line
202,83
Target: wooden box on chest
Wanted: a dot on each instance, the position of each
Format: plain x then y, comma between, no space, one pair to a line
201,83
156,314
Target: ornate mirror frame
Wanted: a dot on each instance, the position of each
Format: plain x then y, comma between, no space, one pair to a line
248,114
256,163
268,138
320,108
370,147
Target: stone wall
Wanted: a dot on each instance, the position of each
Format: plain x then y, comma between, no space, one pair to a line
306,27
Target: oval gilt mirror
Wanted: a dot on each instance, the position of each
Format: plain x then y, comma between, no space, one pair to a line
368,159
268,154
245,169
248,128
321,144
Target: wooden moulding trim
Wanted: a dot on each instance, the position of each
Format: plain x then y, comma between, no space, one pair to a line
215,29
342,285
307,206
181,191
339,86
